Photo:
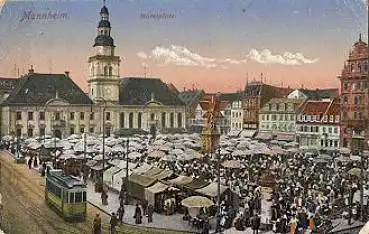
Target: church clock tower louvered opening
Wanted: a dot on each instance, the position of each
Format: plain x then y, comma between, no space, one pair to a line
103,78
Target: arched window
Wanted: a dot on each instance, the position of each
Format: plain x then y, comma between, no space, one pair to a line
171,121
105,71
179,120
139,120
152,116
110,70
163,119
130,121
121,120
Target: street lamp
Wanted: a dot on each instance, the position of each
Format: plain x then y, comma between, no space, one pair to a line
103,147
126,182
218,229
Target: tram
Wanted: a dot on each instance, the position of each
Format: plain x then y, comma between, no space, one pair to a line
67,195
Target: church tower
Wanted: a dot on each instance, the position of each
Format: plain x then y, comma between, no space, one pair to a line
103,80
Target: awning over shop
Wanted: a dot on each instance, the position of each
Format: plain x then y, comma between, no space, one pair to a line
181,180
234,133
211,190
264,136
153,172
143,169
285,137
151,191
137,184
197,184
247,133
163,175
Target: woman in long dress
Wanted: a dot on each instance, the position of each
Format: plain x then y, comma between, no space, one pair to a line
138,215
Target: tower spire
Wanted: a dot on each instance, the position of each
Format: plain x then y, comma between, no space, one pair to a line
360,36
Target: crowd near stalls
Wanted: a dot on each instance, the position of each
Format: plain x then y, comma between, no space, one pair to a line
265,185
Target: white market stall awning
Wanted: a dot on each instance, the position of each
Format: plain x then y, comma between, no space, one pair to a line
264,136
181,180
247,133
285,137
151,191
211,190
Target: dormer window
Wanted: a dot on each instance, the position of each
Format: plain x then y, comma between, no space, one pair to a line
325,118
308,118
331,118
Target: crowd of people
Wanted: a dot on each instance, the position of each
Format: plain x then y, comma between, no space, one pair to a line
305,191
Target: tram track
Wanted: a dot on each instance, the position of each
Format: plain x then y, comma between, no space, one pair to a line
39,212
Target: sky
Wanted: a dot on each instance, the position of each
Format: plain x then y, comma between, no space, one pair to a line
215,45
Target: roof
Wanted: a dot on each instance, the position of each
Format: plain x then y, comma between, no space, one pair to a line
205,105
191,97
140,91
104,40
38,89
173,88
313,107
65,180
257,88
227,97
104,10
8,84
334,108
318,94
104,24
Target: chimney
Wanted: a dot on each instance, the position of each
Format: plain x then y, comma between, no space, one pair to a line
31,71
66,73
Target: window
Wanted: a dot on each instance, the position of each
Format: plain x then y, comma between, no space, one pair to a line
152,116
331,118
42,131
324,129
179,120
71,130
82,129
42,115
105,71
335,130
19,115
71,197
78,197
301,128
335,143
345,100
130,120
82,116
84,198
30,132
108,116
262,117
71,115
121,120
30,115
91,130
329,130
354,115
267,117
163,119
344,115
139,120
57,115
110,71
171,120
92,116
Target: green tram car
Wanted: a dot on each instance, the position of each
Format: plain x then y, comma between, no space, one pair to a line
66,195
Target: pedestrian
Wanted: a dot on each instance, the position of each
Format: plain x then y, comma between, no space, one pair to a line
150,211
138,215
104,198
43,169
113,223
144,207
30,163
120,213
255,224
97,224
35,162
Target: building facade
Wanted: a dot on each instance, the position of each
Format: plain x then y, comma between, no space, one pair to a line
354,94
318,124
236,116
278,119
53,104
192,99
255,96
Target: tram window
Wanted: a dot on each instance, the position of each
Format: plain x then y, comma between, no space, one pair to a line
71,197
58,191
78,197
84,197
65,196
